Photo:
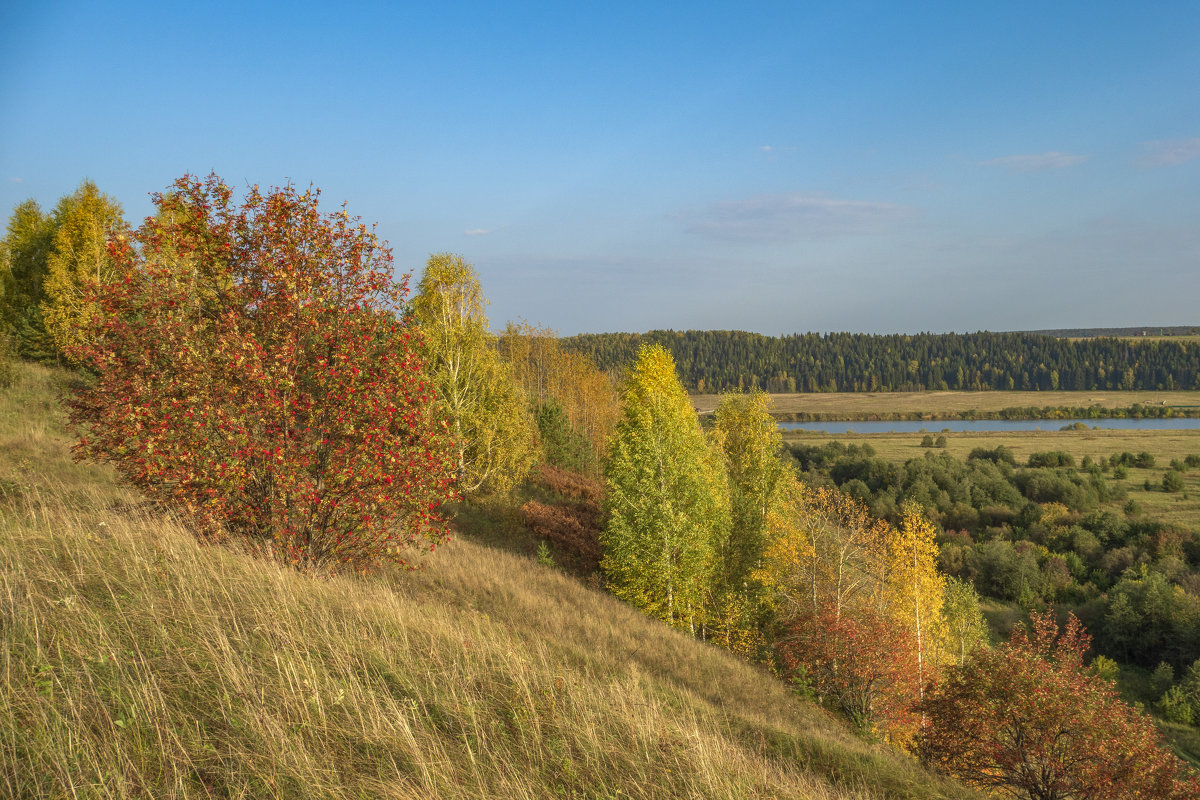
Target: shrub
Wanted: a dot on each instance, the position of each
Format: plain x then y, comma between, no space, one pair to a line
1053,458
1172,481
251,373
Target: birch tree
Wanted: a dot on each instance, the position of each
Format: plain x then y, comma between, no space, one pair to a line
667,502
482,405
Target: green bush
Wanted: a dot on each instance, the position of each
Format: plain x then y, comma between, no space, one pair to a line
1172,481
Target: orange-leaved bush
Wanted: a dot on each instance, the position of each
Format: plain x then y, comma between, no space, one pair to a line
1029,719
251,371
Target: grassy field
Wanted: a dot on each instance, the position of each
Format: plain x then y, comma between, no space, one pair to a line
862,404
1180,508
138,663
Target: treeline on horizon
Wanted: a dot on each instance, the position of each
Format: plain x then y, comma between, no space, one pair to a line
717,361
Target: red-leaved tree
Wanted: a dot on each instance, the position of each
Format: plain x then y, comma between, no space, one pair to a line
251,372
862,661
1027,719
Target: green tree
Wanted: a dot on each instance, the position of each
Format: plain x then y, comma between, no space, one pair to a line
486,411
965,628
749,440
667,500
79,262
24,252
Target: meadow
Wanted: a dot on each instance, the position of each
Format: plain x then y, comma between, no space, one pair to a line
933,405
137,662
1181,509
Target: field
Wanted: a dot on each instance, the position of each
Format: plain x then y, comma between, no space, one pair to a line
851,405
1179,508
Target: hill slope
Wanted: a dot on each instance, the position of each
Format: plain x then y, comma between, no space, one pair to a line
138,663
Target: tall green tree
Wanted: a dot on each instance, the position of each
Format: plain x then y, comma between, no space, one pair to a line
667,499
24,252
79,261
483,406
750,444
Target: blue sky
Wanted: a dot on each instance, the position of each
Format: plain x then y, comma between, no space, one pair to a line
777,167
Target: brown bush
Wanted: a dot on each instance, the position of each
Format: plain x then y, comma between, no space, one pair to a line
573,529
568,484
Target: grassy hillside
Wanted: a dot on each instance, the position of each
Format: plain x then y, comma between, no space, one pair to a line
138,663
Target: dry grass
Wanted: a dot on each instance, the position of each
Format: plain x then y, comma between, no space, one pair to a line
858,405
139,663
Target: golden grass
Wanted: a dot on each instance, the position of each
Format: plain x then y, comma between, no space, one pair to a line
859,404
137,662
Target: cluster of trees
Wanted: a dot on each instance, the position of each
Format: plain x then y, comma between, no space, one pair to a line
49,261
716,361
715,534
1039,534
258,367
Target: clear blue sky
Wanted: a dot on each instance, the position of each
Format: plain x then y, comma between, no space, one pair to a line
777,167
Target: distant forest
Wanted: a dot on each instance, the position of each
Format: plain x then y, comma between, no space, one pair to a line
715,361
1144,330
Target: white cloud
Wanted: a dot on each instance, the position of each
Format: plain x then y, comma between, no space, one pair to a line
1169,152
1036,162
476,232
790,216
17,180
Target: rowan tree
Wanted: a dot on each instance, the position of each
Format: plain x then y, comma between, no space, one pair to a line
1027,719
268,390
863,662
79,262
667,502
491,423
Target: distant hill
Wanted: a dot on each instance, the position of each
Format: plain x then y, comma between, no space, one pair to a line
715,361
1144,330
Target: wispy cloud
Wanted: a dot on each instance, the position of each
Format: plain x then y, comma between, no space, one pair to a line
1036,162
17,180
1169,152
476,232
784,217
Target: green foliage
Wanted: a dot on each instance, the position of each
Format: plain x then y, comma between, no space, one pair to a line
24,252
965,627
666,496
287,408
717,361
1053,458
1173,706
940,442
1162,678
927,441
488,415
1172,481
562,445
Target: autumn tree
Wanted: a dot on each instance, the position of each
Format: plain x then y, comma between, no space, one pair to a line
24,253
667,503
1027,719
79,262
490,422
556,379
748,439
915,586
270,391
